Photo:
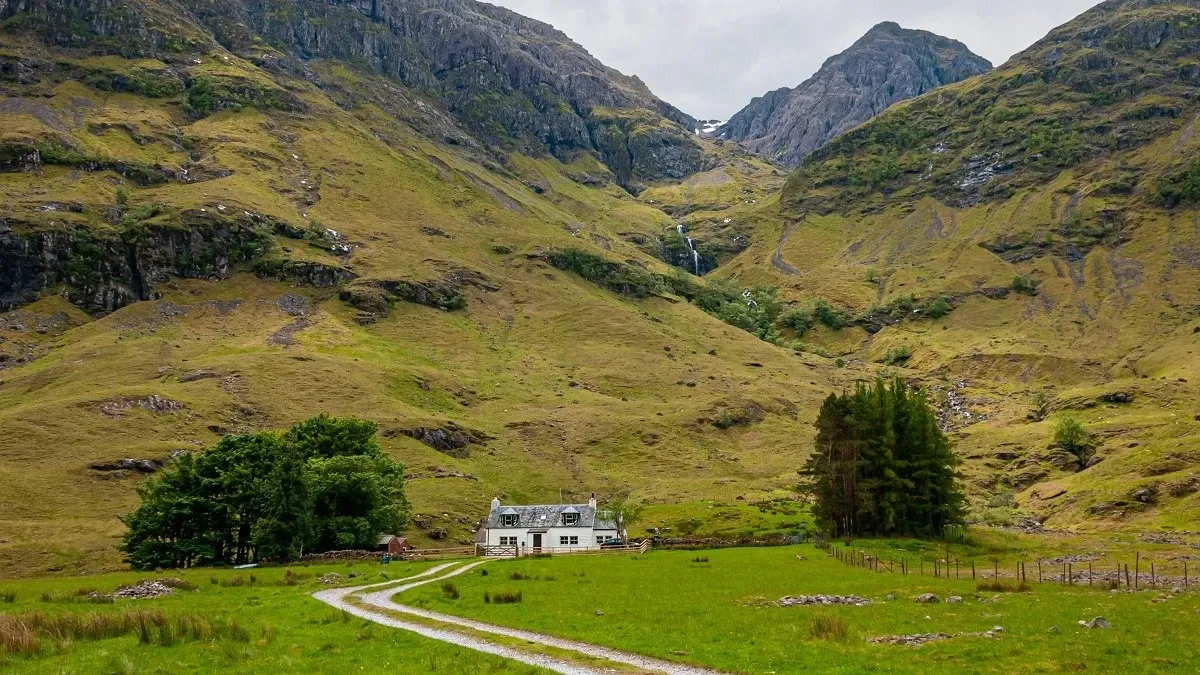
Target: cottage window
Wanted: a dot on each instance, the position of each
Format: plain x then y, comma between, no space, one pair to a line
600,540
508,520
570,519
508,541
568,541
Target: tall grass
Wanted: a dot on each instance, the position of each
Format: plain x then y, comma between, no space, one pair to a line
1002,587
450,591
8,597
27,634
827,627
507,598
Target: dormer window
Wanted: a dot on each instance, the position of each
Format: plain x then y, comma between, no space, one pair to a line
508,520
570,519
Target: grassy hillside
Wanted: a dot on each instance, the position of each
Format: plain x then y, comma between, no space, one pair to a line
1047,208
334,253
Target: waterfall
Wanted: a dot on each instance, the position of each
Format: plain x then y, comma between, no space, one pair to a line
691,247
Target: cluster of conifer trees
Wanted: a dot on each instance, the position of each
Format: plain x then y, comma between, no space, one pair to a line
882,465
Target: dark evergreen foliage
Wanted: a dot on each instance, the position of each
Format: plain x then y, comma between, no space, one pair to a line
882,466
324,484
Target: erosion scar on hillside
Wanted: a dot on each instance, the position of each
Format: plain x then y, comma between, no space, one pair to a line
777,260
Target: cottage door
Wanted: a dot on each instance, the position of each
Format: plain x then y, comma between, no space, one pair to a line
537,543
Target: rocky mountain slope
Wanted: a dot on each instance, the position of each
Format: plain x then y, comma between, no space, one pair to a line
210,224
887,65
1026,242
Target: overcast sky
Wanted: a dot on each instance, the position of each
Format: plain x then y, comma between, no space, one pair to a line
710,57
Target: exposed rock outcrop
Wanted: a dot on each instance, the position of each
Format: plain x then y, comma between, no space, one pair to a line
887,65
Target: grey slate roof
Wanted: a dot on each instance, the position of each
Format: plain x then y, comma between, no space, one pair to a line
549,516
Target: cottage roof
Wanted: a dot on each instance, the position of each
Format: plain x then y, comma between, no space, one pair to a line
386,539
549,515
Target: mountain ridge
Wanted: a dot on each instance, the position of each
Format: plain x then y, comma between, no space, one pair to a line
888,64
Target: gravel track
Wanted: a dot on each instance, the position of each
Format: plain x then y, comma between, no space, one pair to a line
382,600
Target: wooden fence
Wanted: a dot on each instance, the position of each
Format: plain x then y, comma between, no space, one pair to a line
1145,574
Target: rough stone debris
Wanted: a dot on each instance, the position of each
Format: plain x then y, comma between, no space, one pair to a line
1098,622
147,588
330,578
928,599
824,600
954,600
914,640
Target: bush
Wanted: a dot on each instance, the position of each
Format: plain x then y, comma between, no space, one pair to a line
825,627
519,576
1025,285
1075,439
700,560
8,597
938,308
897,356
450,591
798,320
828,315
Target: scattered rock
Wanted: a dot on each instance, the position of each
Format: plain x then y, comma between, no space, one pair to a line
293,305
599,613
890,597
198,375
138,465
928,599
824,600
954,600
1118,397
1055,630
330,578
147,589
914,640
1098,622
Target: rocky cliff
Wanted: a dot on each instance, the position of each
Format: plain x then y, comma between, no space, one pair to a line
889,64
513,82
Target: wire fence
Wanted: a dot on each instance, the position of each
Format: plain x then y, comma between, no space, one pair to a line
1144,573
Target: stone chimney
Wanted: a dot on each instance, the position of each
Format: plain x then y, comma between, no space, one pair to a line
592,501
495,503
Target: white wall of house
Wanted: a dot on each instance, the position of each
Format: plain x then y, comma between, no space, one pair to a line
576,537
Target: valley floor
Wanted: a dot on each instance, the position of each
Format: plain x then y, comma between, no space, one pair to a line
713,609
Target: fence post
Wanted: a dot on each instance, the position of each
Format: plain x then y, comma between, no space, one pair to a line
1137,571
1039,570
956,575
996,570
1126,575
1153,578
972,570
1089,574
1070,575
1185,576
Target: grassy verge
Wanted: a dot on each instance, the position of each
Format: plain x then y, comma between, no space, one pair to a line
277,627
717,608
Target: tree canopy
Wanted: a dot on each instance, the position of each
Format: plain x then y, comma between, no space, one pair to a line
882,466
322,485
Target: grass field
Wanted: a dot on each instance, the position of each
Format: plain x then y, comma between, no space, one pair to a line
714,608
283,629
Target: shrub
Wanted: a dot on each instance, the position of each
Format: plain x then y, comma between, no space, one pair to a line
938,308
828,315
1075,439
897,356
1025,285
8,597
519,576
450,591
507,598
798,320
840,363
700,559
826,627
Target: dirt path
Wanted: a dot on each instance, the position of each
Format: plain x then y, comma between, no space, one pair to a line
382,601
777,260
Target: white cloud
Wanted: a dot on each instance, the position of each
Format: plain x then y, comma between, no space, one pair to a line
710,57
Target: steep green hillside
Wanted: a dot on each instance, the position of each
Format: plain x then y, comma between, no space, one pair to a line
1026,242
194,243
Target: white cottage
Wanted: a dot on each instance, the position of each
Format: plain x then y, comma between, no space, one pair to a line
559,528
